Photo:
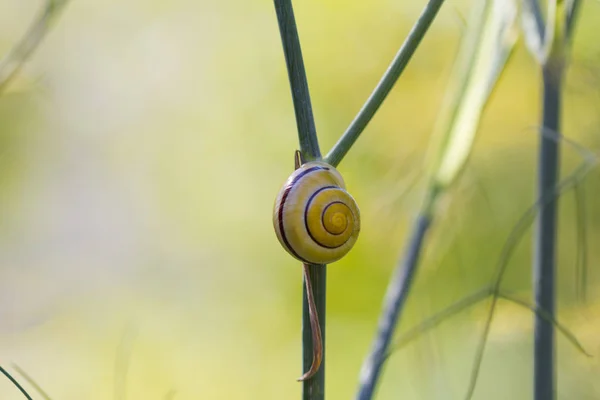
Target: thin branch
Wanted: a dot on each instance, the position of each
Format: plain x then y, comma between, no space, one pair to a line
532,8
550,319
487,28
511,243
32,382
14,60
533,28
14,382
396,297
385,85
590,160
469,301
572,15
435,320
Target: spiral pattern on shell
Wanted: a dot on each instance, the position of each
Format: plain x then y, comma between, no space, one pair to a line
315,219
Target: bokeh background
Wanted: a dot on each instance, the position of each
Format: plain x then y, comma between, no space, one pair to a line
141,149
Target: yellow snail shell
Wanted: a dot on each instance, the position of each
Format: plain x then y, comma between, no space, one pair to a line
315,219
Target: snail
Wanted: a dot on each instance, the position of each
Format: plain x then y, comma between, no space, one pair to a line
315,219
317,222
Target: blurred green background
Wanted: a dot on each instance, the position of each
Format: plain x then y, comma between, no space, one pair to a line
141,150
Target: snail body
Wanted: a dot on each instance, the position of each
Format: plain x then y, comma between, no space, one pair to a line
315,219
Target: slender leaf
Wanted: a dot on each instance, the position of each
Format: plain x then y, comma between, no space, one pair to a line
484,51
490,38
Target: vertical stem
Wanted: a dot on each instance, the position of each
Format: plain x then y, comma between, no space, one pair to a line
544,268
572,19
307,134
312,388
395,300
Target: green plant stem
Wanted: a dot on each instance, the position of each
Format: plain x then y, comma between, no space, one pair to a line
532,10
366,113
32,382
572,18
312,388
14,382
395,299
551,56
12,63
544,268
307,134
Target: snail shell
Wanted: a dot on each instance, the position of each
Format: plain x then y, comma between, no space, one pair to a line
315,219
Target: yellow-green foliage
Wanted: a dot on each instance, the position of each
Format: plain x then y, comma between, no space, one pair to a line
141,151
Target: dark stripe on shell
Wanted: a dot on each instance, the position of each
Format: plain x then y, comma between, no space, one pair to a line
284,197
306,217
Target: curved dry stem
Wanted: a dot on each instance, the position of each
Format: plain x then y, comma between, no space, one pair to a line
316,330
